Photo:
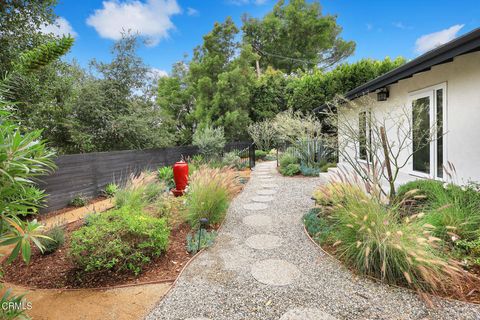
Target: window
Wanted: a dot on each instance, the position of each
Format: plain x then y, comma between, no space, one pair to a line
428,121
362,127
365,135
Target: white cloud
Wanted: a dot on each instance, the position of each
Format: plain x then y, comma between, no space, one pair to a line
151,19
192,12
432,40
369,26
401,25
158,73
59,28
244,2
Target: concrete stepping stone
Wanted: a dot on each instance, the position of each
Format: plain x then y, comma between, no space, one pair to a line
263,242
257,220
266,192
255,206
262,199
269,185
275,272
307,314
267,180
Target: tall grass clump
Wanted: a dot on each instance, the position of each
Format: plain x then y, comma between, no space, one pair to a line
209,193
371,238
139,192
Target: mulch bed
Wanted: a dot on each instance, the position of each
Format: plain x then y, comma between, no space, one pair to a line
45,216
56,270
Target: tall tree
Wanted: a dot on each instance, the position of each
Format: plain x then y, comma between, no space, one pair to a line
221,79
296,36
20,23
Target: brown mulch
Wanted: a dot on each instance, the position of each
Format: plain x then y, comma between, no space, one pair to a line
56,270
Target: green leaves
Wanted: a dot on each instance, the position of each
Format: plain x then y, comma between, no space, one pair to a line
39,57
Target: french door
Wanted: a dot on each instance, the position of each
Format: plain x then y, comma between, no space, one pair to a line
428,130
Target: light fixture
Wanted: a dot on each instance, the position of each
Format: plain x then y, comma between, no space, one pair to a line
382,95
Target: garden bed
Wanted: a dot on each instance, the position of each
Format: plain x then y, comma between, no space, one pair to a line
57,271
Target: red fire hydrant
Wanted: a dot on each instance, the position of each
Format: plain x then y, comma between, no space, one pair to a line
180,175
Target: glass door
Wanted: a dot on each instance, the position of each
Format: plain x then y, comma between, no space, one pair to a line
428,128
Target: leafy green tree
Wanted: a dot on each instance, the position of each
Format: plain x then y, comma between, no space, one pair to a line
176,101
296,36
20,23
312,90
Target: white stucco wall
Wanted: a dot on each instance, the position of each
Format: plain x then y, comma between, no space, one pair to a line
462,79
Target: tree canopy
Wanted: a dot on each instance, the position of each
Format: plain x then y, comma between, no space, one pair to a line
296,36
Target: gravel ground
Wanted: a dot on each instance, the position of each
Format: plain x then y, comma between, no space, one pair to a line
219,284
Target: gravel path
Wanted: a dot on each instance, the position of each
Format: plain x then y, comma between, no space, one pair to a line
263,266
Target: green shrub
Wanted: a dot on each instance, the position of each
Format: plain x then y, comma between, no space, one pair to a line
207,239
210,141
316,225
290,170
309,172
369,237
231,159
208,196
123,239
287,158
110,190
468,251
79,201
324,168
260,154
165,174
56,240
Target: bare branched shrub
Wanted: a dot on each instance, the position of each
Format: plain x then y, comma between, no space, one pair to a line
380,147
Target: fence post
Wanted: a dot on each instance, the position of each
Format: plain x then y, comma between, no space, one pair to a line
251,154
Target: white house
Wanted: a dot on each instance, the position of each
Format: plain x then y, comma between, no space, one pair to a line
446,82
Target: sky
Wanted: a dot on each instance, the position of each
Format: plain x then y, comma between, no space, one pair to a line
172,28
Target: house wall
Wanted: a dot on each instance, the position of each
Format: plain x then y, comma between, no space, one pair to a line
462,133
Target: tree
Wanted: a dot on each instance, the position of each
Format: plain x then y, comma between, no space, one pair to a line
222,82
296,36
20,23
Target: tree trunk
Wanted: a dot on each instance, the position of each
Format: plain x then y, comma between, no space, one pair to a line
383,136
259,72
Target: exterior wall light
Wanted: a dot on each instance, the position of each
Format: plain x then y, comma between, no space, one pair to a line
382,95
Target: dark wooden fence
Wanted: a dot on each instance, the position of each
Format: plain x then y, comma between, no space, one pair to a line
88,174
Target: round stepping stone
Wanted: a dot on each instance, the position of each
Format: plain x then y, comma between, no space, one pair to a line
255,206
263,242
257,220
198,319
269,185
275,272
266,180
262,199
307,314
265,177
266,192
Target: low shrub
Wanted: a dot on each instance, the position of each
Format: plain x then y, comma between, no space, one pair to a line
56,240
78,201
207,239
309,171
165,174
316,224
209,193
110,190
260,154
324,167
231,159
369,237
171,208
468,251
286,159
123,239
290,170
